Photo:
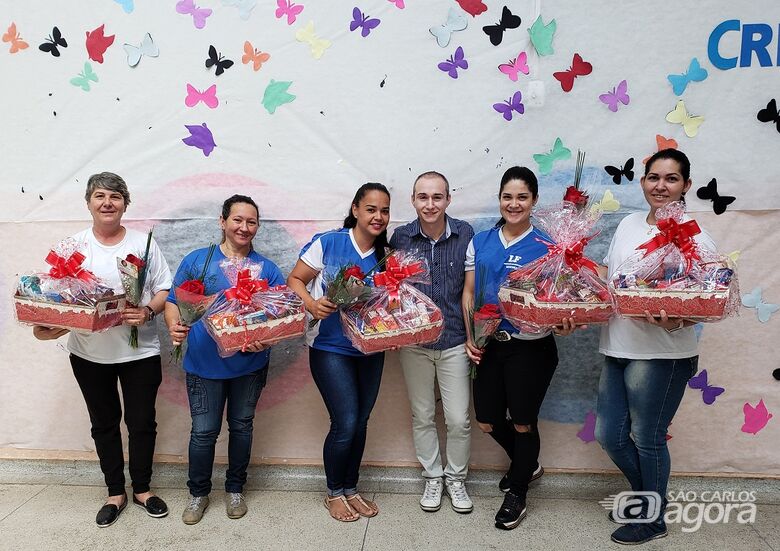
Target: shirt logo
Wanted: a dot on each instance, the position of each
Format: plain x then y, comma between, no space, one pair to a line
513,261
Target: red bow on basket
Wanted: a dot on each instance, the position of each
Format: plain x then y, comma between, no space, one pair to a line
394,274
679,235
246,287
572,254
71,267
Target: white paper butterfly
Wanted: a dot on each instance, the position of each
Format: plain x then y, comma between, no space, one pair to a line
147,48
245,7
764,310
456,21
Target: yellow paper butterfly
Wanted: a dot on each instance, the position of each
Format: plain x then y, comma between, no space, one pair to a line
734,256
307,35
680,115
608,203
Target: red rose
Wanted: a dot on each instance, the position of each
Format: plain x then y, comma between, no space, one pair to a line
353,271
488,311
194,286
573,195
135,261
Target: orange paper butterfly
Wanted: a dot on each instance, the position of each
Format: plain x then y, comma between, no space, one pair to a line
254,56
663,143
13,37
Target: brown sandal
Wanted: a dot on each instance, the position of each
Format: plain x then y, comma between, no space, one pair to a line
354,514
370,505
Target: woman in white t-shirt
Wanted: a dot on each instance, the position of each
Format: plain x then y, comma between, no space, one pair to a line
648,360
99,360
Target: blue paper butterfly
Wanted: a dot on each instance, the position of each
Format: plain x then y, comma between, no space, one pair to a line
695,74
764,310
127,5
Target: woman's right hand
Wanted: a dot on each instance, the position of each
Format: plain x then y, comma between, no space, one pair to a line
474,353
321,308
41,332
178,333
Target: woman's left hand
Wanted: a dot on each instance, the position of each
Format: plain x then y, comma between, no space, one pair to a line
258,346
664,321
567,327
132,315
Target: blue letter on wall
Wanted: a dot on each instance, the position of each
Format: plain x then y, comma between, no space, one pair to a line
716,59
758,45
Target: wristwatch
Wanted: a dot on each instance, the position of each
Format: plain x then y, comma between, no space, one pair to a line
152,313
673,329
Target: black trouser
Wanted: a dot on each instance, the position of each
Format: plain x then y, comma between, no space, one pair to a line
514,375
140,380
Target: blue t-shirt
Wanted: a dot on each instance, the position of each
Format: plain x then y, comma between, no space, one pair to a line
494,258
326,253
201,357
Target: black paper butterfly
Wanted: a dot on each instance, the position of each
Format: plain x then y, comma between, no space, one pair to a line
496,32
770,114
626,170
719,202
218,60
55,39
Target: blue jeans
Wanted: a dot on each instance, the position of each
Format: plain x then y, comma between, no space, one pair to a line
637,401
207,403
349,386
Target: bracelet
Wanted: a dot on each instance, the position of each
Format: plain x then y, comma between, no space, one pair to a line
152,313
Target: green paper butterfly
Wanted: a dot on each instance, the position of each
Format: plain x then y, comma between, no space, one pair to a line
84,77
546,160
542,36
276,94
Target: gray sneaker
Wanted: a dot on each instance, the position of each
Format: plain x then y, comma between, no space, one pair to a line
194,511
235,504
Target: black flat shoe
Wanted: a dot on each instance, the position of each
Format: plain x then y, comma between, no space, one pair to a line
109,513
154,506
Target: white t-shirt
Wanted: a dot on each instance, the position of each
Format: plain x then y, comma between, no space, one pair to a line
638,340
112,346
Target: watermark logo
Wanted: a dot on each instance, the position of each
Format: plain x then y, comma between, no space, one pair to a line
639,507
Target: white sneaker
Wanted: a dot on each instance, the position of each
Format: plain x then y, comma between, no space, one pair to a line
431,498
461,502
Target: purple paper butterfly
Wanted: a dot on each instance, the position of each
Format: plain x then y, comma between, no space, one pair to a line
512,104
709,392
359,19
617,94
451,66
588,431
199,15
200,137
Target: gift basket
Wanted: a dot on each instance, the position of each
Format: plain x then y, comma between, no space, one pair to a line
561,284
68,296
671,272
251,311
396,314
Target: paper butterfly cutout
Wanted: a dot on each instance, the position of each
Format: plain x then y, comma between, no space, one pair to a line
398,4
288,8
85,77
542,36
472,7
690,123
362,21
515,66
776,374
208,96
456,21
557,153
680,82
12,36
276,94
200,137
245,7
317,45
708,392
626,170
127,5
147,48
97,44
608,203
512,104
756,417
199,15
508,21
53,43
719,202
579,68
764,310
588,431
218,60
734,256
456,61
617,95
768,114
662,143
254,56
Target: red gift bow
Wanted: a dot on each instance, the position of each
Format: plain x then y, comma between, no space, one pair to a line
573,195
71,267
572,254
246,287
679,235
394,274
135,261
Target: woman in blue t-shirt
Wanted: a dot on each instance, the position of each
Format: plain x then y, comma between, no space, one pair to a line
347,379
213,381
514,369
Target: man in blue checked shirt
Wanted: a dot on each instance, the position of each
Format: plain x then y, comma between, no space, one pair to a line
443,241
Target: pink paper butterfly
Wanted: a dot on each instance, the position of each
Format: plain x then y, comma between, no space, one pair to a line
454,62
617,94
398,4
515,66
756,418
199,15
291,10
588,431
208,96
512,104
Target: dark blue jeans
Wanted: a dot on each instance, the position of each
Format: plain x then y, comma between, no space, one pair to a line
207,403
637,401
349,386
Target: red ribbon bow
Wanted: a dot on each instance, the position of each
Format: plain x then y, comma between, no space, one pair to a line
394,274
677,234
71,267
135,261
246,287
573,254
